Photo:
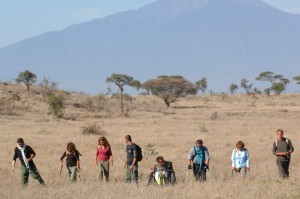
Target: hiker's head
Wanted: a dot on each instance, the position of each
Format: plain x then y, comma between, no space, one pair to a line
160,160
199,143
71,147
20,142
280,133
128,139
103,141
240,145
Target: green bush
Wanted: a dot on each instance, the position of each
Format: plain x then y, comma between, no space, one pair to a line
56,105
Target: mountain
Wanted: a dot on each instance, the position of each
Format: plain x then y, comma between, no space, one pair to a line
223,40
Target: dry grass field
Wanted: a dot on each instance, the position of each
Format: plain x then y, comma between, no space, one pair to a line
220,120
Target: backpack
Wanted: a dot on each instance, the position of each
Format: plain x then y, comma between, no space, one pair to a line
198,154
139,154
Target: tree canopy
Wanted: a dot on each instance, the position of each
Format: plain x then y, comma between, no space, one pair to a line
170,88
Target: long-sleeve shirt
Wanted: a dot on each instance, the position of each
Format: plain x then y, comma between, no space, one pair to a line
194,157
283,145
28,152
240,158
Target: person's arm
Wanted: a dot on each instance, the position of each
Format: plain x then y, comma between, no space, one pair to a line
32,154
233,160
190,158
61,159
290,147
247,160
111,160
134,158
206,156
14,161
78,160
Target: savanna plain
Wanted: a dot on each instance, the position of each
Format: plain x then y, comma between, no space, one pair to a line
220,120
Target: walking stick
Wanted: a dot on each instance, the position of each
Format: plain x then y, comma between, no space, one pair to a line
187,175
60,170
78,174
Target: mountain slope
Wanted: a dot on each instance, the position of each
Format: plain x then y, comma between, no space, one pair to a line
223,40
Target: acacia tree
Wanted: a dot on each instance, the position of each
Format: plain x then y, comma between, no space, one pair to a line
280,86
297,79
268,76
170,88
246,85
122,80
26,77
201,84
233,88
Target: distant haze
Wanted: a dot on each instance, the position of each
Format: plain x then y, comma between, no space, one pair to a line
222,40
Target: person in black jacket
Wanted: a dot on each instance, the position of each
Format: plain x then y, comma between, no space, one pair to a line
25,154
72,161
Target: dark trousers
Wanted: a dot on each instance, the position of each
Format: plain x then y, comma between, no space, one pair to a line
33,172
200,174
283,169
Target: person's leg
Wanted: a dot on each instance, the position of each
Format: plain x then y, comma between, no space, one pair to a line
36,175
243,172
285,169
128,174
24,176
150,178
173,177
105,167
135,174
203,175
281,168
72,173
100,170
196,171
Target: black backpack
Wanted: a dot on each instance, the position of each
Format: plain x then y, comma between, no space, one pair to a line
139,154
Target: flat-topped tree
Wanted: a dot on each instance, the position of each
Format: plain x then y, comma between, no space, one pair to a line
26,77
297,79
122,80
170,88
268,76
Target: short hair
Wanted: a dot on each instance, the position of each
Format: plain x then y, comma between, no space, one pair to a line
128,137
240,144
279,130
159,158
20,140
199,142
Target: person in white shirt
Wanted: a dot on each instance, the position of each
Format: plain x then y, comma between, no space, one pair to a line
240,159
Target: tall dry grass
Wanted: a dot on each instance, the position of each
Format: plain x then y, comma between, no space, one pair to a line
173,131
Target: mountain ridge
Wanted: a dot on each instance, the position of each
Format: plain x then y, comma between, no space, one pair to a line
194,38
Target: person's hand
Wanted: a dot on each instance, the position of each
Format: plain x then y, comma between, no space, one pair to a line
131,167
78,166
13,169
233,168
111,163
248,168
125,166
190,167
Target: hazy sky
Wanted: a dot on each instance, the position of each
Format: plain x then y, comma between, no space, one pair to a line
21,19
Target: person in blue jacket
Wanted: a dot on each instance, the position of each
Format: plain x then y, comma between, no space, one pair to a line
240,159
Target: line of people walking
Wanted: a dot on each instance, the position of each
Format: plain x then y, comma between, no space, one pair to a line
162,172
